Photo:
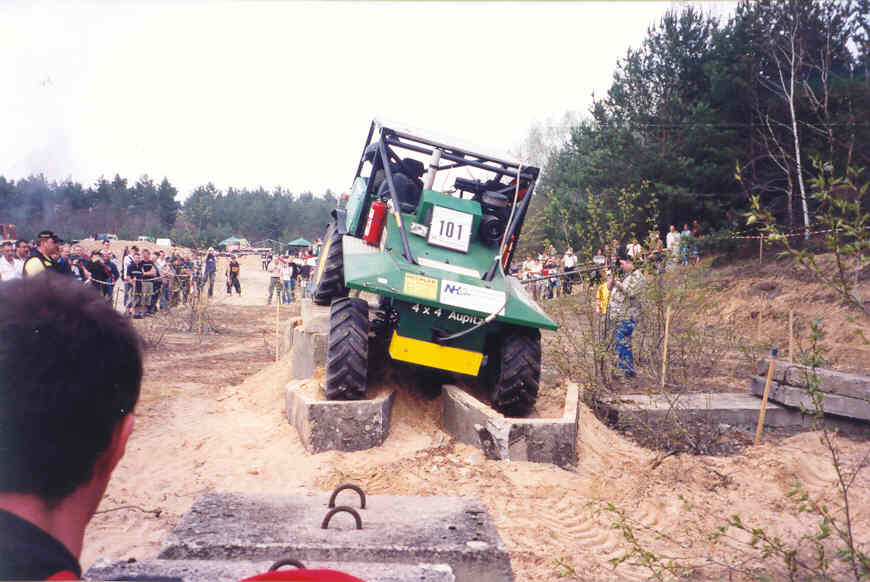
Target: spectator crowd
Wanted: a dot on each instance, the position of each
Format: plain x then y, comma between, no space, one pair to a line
614,269
550,274
147,281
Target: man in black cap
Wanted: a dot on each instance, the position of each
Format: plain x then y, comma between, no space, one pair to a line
41,257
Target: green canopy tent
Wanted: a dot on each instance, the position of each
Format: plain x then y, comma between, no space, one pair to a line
229,241
234,243
299,242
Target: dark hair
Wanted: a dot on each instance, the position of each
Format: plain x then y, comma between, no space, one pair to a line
70,370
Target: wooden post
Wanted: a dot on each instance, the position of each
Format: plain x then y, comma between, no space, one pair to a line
791,335
764,398
760,249
665,350
198,307
758,327
277,320
117,290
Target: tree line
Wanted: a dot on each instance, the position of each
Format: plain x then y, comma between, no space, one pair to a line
144,207
706,115
700,120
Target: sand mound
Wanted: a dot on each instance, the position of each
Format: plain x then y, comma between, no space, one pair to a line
212,418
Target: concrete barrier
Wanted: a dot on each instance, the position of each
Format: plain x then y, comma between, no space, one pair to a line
316,317
734,408
539,440
233,571
800,398
339,425
309,339
395,530
829,381
308,351
288,332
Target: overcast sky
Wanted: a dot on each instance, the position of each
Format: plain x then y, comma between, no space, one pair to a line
246,94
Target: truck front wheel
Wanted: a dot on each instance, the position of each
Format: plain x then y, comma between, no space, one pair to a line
328,279
516,372
347,351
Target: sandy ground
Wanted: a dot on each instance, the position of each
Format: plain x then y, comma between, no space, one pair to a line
211,417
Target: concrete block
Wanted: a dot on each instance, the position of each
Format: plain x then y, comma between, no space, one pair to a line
734,408
539,440
288,332
337,425
315,317
233,571
851,385
308,352
396,530
779,369
830,381
800,397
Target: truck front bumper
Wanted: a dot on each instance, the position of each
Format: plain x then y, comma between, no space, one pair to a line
436,356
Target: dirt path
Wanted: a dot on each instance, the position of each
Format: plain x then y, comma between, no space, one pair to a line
212,418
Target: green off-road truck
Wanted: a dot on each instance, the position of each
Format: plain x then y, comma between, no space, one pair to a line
439,262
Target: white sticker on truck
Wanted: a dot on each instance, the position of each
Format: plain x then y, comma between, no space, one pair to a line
472,297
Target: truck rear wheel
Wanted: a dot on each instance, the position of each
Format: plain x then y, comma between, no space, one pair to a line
516,372
329,277
347,352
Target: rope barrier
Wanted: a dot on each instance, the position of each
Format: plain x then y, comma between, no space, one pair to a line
562,274
789,235
181,286
148,280
794,234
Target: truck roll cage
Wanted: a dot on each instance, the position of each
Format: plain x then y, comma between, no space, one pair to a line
442,156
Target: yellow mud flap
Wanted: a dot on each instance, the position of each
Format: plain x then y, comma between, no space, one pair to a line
416,351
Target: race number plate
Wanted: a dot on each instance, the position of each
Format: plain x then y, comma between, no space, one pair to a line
450,229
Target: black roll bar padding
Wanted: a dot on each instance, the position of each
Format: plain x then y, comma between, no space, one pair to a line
406,246
362,157
462,161
512,228
521,220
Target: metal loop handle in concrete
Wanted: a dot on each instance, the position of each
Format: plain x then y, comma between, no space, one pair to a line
351,486
339,509
286,562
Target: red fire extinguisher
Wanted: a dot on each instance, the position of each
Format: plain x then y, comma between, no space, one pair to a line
375,223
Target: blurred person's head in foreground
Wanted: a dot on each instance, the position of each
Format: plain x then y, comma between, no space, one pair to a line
70,371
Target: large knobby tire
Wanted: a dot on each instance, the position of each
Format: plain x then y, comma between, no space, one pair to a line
516,372
329,276
347,352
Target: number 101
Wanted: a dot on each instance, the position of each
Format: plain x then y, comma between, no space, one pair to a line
448,228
